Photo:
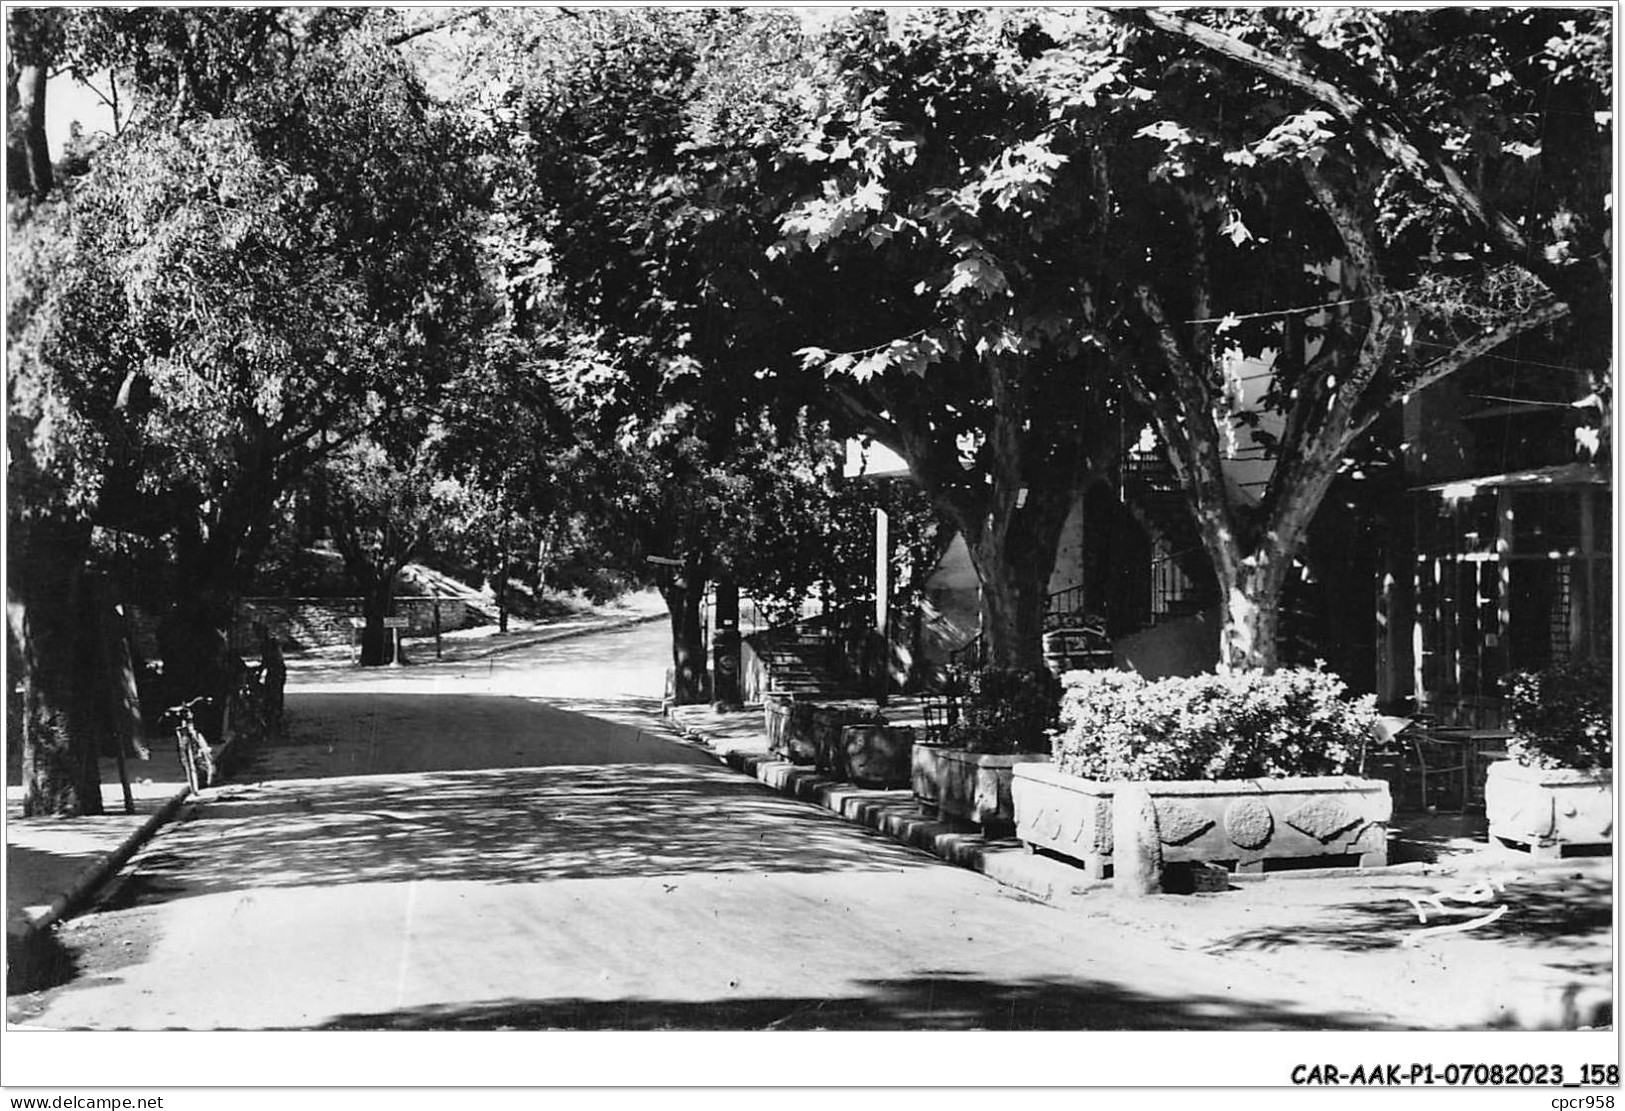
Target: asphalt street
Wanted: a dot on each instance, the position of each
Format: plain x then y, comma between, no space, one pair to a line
519,842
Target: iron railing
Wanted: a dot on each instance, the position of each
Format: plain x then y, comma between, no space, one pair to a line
1059,610
1174,593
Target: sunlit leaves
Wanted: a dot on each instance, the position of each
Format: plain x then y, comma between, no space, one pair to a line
976,272
1302,135
910,355
1021,175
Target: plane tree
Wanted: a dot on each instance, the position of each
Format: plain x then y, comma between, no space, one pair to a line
1328,189
638,215
963,323
1321,189
1495,126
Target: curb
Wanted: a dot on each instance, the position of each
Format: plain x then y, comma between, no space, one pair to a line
1005,860
23,931
896,814
567,634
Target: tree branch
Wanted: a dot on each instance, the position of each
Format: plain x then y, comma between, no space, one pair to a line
1359,242
1464,353
404,37
1188,429
1381,124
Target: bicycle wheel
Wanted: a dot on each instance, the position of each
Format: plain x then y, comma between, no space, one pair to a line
188,762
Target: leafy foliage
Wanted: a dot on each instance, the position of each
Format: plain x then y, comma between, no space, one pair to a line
1008,710
245,296
1562,717
953,229
382,510
187,61
1116,725
636,259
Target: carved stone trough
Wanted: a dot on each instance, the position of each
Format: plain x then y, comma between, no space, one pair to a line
1244,821
1549,809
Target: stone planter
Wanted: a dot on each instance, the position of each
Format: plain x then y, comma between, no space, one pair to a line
1548,809
1247,821
804,729
828,719
788,718
970,786
877,755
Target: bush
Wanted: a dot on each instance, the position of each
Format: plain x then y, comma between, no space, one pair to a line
1561,717
1008,710
1243,725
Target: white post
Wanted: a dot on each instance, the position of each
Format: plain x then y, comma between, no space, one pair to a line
882,572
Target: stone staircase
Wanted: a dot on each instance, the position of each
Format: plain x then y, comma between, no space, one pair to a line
797,661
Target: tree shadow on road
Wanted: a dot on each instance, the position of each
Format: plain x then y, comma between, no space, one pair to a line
356,733
520,825
925,1002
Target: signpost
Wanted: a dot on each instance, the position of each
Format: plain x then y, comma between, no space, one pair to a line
395,625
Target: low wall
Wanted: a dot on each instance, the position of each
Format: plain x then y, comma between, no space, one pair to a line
1182,647
325,622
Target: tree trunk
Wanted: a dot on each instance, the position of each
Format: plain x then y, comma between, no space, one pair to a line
1013,606
1014,564
503,569
683,596
1252,574
1249,631
215,553
377,644
48,609
194,639
34,151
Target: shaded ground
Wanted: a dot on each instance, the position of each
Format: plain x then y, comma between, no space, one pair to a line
930,1002
507,827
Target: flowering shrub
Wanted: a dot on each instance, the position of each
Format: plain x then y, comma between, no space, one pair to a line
1561,717
1243,725
1008,710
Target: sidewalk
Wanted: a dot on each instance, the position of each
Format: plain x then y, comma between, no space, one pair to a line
1550,949
53,865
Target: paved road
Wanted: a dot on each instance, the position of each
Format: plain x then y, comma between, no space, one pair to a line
519,843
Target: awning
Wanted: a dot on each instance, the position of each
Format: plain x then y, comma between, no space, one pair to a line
1566,474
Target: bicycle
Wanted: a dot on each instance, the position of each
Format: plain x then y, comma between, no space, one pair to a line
197,759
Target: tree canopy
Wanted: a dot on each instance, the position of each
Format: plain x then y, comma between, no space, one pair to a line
219,302
635,272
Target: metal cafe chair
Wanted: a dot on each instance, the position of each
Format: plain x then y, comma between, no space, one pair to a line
1433,766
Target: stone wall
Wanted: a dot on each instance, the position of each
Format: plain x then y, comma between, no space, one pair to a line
324,622
1182,647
